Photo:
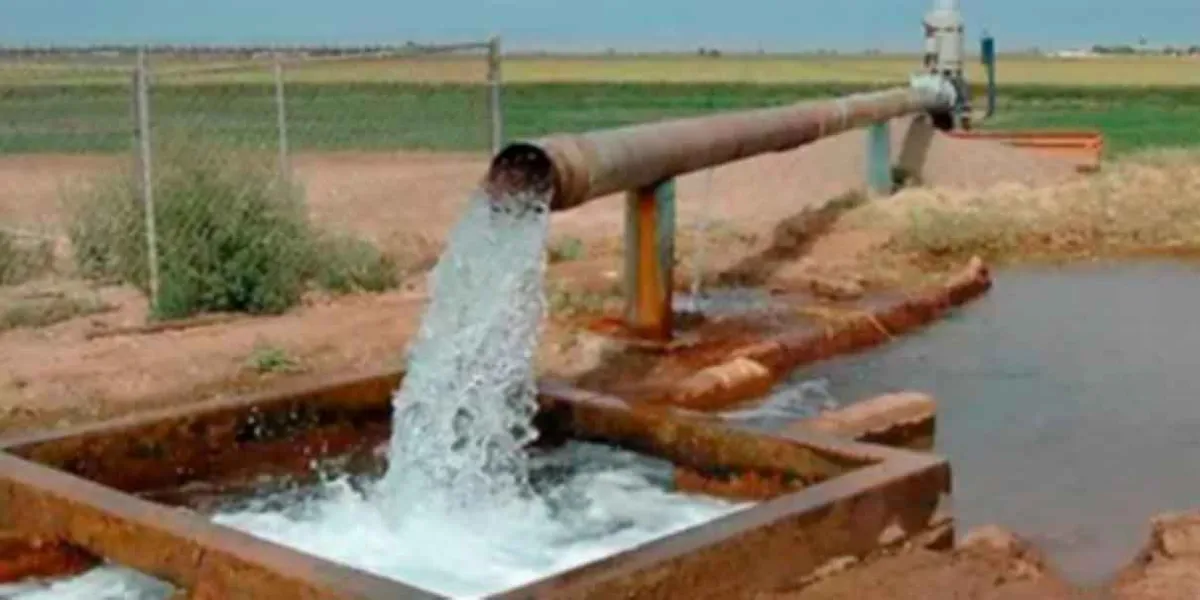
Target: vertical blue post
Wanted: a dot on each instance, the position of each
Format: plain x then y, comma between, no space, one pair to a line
650,260
879,158
987,52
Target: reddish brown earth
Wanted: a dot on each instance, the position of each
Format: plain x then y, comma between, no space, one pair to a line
989,564
407,202
993,564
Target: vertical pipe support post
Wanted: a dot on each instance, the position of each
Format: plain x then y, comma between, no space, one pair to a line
879,158
650,260
988,55
495,107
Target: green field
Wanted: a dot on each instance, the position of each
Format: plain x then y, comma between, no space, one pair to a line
96,117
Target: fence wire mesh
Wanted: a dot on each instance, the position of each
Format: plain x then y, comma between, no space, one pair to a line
191,174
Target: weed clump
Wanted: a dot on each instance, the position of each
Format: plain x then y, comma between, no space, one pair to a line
347,264
43,312
266,359
21,261
232,236
1143,204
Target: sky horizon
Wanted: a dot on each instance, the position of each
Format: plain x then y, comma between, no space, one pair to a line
572,25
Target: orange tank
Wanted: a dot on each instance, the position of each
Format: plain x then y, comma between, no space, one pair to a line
1085,148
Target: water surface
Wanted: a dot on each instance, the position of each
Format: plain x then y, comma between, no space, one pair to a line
1069,404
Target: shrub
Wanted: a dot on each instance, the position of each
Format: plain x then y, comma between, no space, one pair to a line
106,228
232,236
43,312
347,264
21,260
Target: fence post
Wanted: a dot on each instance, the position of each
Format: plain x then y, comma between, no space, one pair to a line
495,110
145,166
285,167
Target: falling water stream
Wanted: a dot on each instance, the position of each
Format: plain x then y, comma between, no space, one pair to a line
460,481
463,414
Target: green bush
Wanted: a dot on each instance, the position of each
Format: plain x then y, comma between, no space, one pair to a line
232,236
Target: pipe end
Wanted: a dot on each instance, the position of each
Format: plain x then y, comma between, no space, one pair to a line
521,177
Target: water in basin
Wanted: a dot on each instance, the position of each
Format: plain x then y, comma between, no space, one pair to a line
1069,404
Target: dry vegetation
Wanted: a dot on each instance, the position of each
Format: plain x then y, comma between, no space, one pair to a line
1146,204
685,68
1018,69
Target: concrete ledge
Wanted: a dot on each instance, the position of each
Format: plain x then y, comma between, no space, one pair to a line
725,384
91,488
904,420
754,368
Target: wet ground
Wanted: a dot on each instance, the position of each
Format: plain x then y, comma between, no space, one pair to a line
1069,404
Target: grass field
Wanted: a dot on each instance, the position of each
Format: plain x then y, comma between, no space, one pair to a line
440,103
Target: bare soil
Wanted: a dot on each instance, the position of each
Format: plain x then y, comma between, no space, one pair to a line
989,564
407,202
992,564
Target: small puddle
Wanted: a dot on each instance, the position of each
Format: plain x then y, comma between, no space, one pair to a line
1069,404
730,302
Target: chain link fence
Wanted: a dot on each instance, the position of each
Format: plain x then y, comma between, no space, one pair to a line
187,172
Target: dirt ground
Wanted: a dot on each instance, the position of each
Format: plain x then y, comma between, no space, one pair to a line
988,564
992,564
407,202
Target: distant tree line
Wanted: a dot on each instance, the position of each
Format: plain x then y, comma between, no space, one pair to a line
1193,50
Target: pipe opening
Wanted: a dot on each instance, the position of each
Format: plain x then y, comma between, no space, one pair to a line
521,177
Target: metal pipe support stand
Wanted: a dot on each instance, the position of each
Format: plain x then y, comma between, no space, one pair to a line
650,260
879,158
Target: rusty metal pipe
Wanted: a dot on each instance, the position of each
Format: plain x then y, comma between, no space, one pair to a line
573,169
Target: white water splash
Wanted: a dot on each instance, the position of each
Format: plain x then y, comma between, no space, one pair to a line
105,583
464,412
588,502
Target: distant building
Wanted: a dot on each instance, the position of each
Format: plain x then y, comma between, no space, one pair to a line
1074,53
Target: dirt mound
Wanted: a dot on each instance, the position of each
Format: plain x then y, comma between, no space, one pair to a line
989,564
1137,206
1169,566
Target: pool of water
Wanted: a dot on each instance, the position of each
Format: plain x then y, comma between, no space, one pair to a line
591,501
725,302
1069,404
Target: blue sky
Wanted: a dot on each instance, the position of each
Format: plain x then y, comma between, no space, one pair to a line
594,24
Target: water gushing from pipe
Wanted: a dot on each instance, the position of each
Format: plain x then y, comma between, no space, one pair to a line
463,414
